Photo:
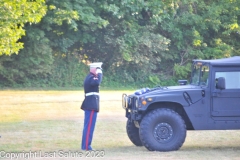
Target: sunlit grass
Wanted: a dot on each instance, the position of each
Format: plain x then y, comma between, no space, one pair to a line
52,121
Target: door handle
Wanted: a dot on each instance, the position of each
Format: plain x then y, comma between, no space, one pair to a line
215,94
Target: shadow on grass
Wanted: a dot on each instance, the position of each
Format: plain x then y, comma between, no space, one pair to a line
189,148
207,148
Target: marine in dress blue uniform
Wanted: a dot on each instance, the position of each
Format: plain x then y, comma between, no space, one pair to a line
90,104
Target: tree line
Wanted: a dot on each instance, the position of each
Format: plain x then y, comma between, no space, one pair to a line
47,43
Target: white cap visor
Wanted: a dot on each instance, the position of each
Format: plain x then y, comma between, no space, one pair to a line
96,64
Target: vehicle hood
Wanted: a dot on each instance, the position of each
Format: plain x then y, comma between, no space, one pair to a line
175,94
184,88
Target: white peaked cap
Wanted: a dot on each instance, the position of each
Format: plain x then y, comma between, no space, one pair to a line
96,64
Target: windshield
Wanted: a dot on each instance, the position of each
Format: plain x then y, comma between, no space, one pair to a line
200,74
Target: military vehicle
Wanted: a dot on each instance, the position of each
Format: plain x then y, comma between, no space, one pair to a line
158,118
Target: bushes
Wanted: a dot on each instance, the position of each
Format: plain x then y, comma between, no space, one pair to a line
72,76
67,71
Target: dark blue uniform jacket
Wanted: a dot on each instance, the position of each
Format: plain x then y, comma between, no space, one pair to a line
91,84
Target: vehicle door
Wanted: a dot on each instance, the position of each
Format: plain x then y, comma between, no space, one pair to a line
226,102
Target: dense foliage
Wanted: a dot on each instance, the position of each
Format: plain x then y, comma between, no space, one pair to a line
13,16
141,43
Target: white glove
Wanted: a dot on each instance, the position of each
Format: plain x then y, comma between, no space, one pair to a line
98,71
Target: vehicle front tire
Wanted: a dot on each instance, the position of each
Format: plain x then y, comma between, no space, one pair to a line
162,130
133,133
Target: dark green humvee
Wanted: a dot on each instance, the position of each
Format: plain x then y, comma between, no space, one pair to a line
158,118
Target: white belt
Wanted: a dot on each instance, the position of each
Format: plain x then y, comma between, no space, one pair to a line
92,93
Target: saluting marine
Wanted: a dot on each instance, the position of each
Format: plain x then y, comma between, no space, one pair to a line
90,104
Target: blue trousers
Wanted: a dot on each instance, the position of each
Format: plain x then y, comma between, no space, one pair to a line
90,117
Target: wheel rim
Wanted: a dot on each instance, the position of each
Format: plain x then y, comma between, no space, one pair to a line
163,132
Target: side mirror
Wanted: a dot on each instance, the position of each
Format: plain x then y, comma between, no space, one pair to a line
220,83
182,82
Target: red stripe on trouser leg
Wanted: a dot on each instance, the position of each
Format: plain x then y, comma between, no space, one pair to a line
89,128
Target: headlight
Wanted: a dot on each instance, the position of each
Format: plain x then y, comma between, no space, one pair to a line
149,99
124,101
142,101
136,103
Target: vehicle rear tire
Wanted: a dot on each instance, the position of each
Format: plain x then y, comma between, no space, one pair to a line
162,130
133,133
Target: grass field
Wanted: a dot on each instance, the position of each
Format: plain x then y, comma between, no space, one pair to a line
51,121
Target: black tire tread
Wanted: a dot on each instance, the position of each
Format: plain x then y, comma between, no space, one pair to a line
145,134
133,133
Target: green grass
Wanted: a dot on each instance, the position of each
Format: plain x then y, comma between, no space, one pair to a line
50,121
